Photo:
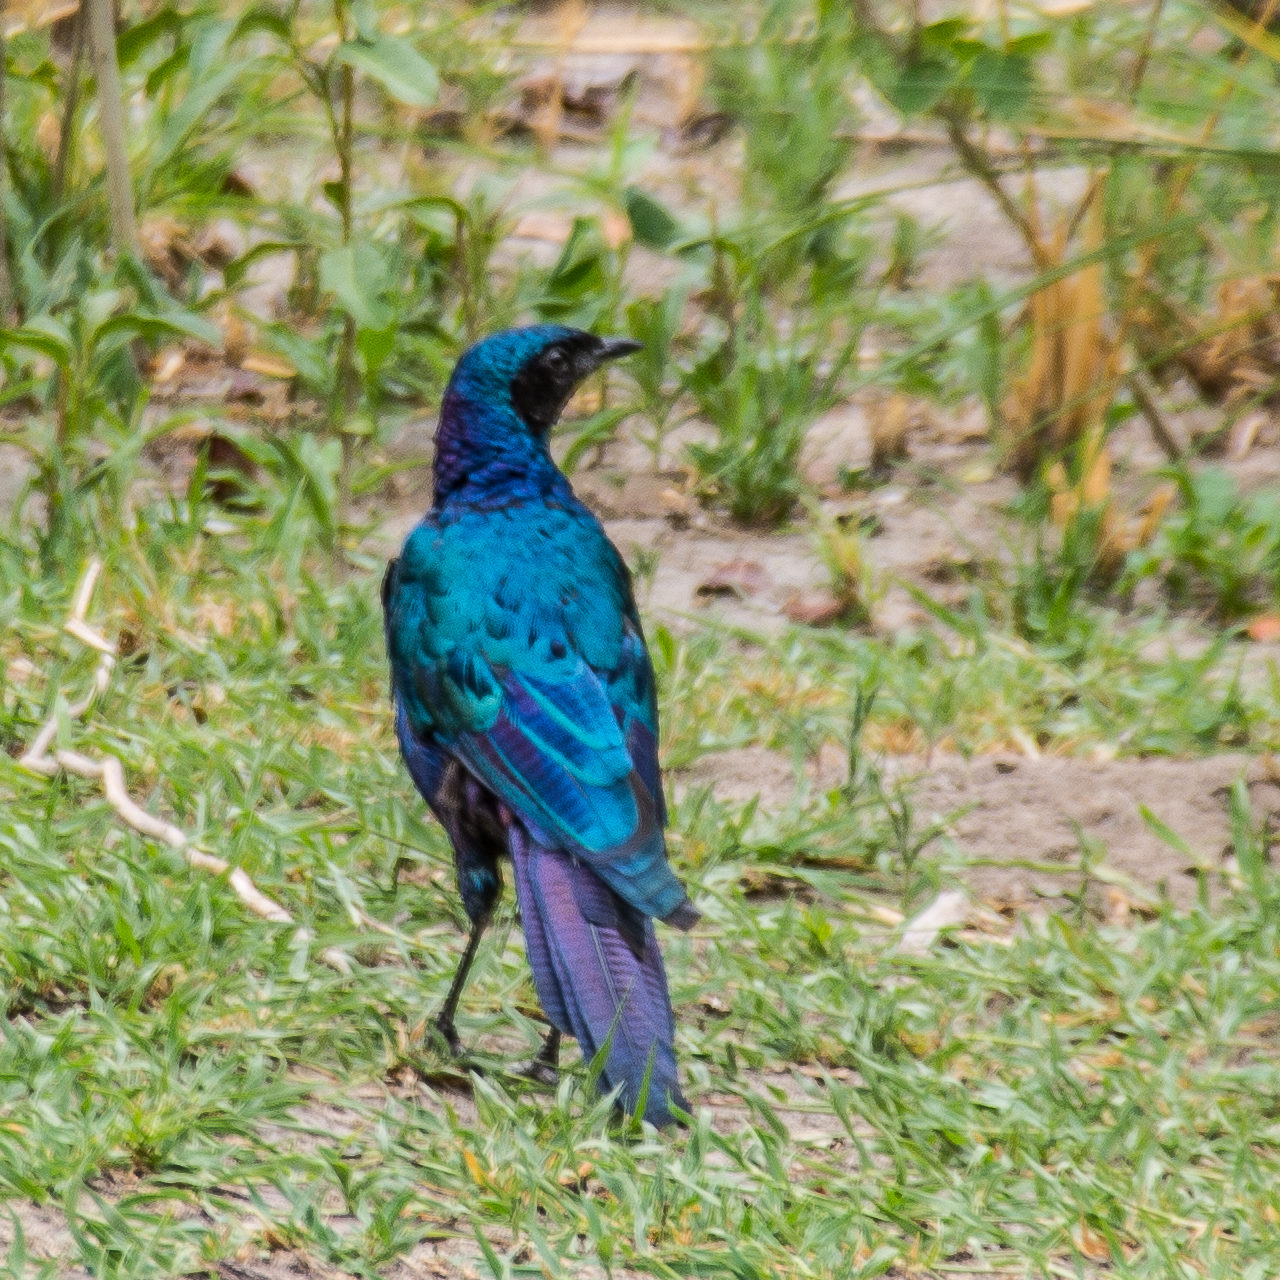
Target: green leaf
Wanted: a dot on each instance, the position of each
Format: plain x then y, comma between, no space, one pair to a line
263,19
319,462
376,345
652,224
209,47
1168,835
166,70
396,65
134,40
310,356
921,85
236,270
182,123
877,60
178,324
366,17
264,453
580,265
356,275
44,334
596,430
1002,82
965,50
333,191
1249,850
496,1269
1035,42
944,34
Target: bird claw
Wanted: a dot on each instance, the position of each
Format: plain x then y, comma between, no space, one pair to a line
542,1072
449,1033
544,1069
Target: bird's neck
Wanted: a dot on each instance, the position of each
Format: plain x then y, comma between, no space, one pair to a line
485,453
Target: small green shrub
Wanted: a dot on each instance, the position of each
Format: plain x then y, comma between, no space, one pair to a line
1219,550
762,404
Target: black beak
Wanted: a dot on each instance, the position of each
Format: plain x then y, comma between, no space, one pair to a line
616,348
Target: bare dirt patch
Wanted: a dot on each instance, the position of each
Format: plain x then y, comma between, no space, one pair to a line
1015,820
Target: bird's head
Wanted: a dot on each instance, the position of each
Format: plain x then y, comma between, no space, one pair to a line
532,371
503,399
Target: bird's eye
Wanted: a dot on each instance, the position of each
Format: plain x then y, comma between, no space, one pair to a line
556,361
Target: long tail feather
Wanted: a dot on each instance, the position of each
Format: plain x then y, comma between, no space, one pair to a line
599,973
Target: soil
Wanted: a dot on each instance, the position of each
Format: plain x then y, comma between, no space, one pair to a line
1018,824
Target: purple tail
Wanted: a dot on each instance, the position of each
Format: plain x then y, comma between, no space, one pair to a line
598,970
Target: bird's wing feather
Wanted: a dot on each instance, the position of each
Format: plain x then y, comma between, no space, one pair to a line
557,755
536,678
633,696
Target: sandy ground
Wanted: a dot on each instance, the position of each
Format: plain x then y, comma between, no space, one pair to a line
1014,826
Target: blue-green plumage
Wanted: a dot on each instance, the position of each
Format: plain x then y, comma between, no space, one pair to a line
525,702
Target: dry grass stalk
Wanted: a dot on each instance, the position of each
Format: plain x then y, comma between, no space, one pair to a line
570,19
890,420
110,773
1092,493
1242,357
111,125
1152,513
1059,404
1232,356
842,549
1074,362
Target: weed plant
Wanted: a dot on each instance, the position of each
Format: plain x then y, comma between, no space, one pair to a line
1219,550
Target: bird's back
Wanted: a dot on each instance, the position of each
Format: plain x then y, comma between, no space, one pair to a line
526,708
515,645
527,585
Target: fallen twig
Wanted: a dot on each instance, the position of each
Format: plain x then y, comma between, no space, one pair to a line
947,910
110,772
1155,419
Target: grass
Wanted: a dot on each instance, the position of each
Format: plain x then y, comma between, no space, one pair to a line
186,1089
187,1083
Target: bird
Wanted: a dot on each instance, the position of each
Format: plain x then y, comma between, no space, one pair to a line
526,713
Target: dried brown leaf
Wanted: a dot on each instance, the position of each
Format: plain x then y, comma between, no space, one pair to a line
738,577
1265,628
816,608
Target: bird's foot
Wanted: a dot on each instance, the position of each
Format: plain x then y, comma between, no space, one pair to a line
542,1073
544,1069
449,1034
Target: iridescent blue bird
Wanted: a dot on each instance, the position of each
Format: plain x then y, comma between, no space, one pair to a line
525,709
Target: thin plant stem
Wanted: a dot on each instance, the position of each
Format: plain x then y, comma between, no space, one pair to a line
124,232
346,384
345,406
1144,52
976,162
6,285
344,148
66,135
1155,419
1147,256
462,239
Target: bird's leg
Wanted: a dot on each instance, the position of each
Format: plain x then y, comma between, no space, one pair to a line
545,1067
444,1019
